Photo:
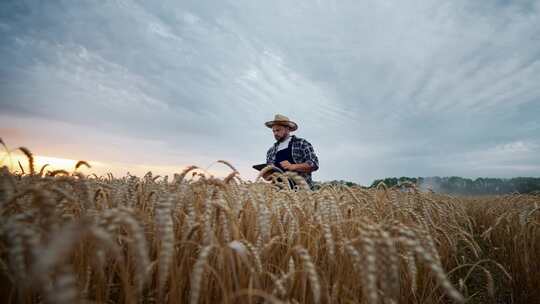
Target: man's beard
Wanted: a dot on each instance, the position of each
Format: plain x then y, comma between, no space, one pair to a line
279,140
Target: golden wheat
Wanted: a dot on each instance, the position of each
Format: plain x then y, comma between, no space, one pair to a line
65,237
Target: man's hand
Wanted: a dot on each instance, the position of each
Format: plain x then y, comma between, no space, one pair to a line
303,167
287,165
267,176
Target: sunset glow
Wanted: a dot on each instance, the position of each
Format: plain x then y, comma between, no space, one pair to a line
100,168
54,163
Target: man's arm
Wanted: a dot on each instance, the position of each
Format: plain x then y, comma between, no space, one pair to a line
303,167
310,157
270,155
269,159
268,176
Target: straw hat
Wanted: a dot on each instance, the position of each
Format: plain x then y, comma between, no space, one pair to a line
282,120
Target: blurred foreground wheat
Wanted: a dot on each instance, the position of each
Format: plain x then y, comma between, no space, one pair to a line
67,238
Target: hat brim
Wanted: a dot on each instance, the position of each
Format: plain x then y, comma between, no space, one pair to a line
292,125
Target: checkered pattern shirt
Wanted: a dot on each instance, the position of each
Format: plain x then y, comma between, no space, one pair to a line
302,152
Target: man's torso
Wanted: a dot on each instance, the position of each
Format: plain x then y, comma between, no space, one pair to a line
297,154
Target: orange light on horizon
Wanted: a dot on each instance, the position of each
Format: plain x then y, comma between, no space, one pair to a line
54,163
117,169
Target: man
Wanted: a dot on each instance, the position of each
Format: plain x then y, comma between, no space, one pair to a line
291,153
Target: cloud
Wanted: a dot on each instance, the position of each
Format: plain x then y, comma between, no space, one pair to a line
379,87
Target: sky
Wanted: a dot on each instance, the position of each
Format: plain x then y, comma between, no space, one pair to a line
379,88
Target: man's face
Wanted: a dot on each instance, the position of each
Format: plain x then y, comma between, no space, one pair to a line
280,132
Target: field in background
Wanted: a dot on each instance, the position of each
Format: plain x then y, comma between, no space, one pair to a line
66,237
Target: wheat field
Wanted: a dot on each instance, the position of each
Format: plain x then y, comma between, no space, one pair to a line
66,237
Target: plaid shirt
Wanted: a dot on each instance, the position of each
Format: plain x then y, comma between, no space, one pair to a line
302,152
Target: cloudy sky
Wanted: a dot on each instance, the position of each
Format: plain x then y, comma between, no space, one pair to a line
380,88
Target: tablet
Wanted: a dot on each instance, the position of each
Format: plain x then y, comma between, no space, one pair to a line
259,167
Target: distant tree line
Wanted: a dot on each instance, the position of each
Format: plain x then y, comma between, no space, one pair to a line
467,186
340,182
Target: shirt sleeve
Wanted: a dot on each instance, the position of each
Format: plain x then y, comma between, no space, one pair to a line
269,159
310,156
